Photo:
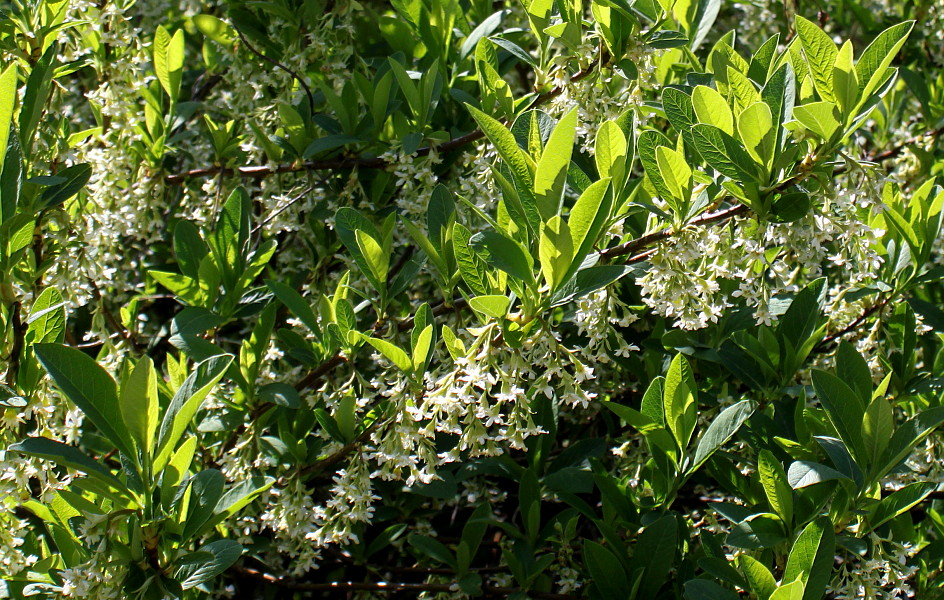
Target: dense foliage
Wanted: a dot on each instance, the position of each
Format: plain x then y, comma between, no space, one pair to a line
471,298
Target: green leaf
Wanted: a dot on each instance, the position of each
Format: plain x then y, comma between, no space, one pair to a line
231,235
587,219
721,429
520,163
551,173
742,89
421,349
776,487
801,319
779,94
680,401
759,577
76,177
762,530
679,109
763,59
493,306
455,345
668,39
900,225
433,549
646,146
206,489
878,57
556,250
440,215
822,118
811,558
676,173
852,368
216,29
655,551
610,152
235,499
470,266
177,467
425,244
47,318
845,85
907,436
712,109
606,571
724,153
329,142
803,473
348,222
11,182
393,353
722,57
88,386
189,248
652,401
844,407
8,100
169,60
280,394
294,302
378,261
588,281
789,591
821,53
878,427
704,20
183,406
503,253
138,402
68,456
900,501
203,565
756,129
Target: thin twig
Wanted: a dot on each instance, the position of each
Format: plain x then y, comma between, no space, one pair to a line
272,61
833,337
899,148
288,205
647,240
331,460
320,371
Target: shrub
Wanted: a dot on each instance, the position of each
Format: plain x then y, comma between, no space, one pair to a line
462,298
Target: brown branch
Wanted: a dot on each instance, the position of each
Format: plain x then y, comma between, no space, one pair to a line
320,371
272,61
359,162
641,243
899,148
647,240
333,459
832,338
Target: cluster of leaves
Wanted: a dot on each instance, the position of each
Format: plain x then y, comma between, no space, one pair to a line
741,459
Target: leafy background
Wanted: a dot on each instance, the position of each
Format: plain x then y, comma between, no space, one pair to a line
444,298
